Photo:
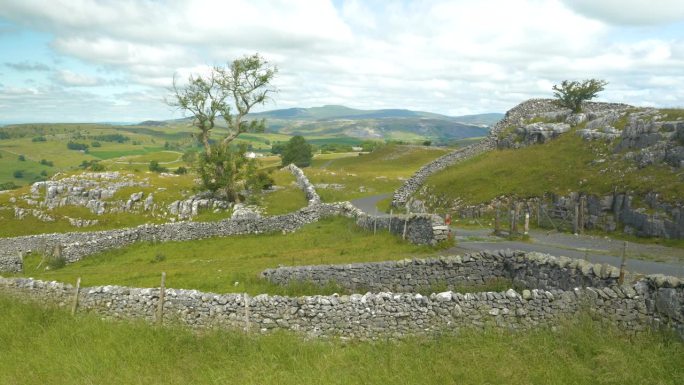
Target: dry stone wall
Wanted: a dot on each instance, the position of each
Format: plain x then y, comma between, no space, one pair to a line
76,245
653,301
304,184
421,229
532,270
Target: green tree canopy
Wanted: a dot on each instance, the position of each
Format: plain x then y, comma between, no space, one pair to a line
297,151
571,94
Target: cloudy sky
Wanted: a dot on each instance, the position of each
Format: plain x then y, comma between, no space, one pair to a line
90,60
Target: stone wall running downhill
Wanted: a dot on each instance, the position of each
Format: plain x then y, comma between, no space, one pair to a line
304,184
653,301
411,185
513,116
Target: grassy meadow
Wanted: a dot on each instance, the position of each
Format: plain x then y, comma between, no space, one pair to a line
216,264
48,346
379,172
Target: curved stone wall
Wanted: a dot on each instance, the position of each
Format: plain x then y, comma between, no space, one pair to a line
653,301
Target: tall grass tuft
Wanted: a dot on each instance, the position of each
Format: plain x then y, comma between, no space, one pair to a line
48,346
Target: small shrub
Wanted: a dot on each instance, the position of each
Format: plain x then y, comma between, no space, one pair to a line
39,139
111,138
8,186
18,174
46,162
22,158
92,165
97,166
155,167
77,146
571,94
96,144
181,171
158,258
55,263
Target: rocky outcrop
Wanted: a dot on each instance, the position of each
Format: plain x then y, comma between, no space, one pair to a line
188,208
643,134
89,189
538,120
609,213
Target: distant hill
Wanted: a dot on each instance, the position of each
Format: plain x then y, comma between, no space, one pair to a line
341,121
380,124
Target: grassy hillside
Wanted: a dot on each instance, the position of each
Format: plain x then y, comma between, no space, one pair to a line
48,346
563,165
381,171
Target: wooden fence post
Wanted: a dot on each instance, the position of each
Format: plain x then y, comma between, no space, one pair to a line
408,213
511,227
496,220
246,297
527,223
389,227
160,304
621,280
575,224
583,203
74,304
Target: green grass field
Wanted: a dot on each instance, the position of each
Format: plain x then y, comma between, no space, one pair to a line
215,264
563,165
288,198
378,172
44,345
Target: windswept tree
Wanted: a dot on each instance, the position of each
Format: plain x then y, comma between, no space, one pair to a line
572,94
228,93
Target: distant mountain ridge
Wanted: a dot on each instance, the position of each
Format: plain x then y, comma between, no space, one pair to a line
333,112
398,124
376,124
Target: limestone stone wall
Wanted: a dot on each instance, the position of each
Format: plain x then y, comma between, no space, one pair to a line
304,184
653,301
421,229
77,245
531,270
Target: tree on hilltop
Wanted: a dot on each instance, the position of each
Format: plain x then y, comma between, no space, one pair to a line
227,93
572,94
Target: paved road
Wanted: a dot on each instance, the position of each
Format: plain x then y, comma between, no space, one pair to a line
369,204
668,260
